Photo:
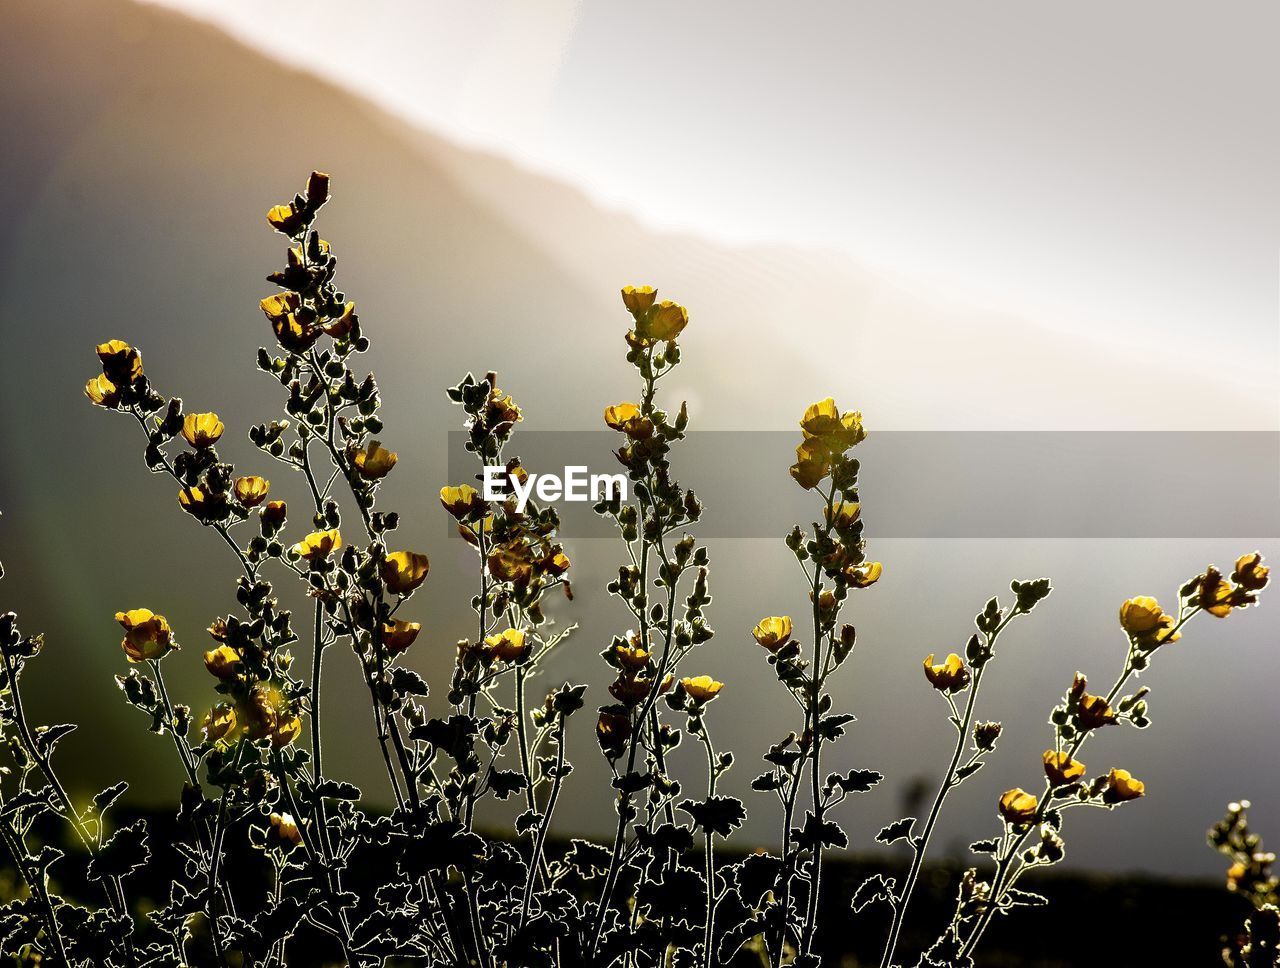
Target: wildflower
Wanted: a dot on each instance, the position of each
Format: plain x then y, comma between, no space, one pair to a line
630,690
197,502
292,333
826,428
287,219
627,418
146,634
398,636
223,662
102,392
951,676
218,630
633,657
613,731
1094,712
341,325
665,321
1121,787
459,501
1061,769
403,571
1017,806
864,575
274,513
1147,623
507,646
202,429
219,722
121,363
810,467
1214,593
501,411
638,299
844,515
271,716
374,461
701,689
1250,573
251,490
773,632
284,829
554,564
511,562
318,544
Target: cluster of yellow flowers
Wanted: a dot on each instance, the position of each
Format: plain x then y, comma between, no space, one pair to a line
828,434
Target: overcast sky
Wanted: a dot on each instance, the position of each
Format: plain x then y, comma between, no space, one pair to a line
1102,166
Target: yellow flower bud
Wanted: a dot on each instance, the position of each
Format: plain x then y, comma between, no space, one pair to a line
1094,712
202,429
1250,573
864,575
773,632
121,363
627,418
459,501
219,723
284,830
844,515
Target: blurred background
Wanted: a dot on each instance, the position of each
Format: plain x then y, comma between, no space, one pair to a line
1000,218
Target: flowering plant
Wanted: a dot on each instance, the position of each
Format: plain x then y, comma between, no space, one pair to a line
421,882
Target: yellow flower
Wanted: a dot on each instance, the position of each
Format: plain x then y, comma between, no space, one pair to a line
195,501
219,722
613,731
1250,572
459,501
844,515
291,333
665,321
271,716
554,564
826,428
701,689
1214,594
341,325
809,472
511,563
146,634
501,411
398,636
1061,769
403,571
864,575
630,689
627,418
374,461
251,490
285,830
279,305
275,512
638,299
508,646
223,662
821,418
1141,615
1121,786
202,429
950,676
632,657
318,544
286,219
121,363
1094,712
102,392
218,630
773,632
1017,806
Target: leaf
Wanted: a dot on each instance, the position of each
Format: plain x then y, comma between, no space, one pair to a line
825,833
408,683
1013,897
121,855
968,770
898,830
719,815
832,727
855,781
337,790
875,888
985,846
505,783
47,737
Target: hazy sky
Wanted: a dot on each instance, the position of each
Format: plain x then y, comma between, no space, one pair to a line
1096,165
